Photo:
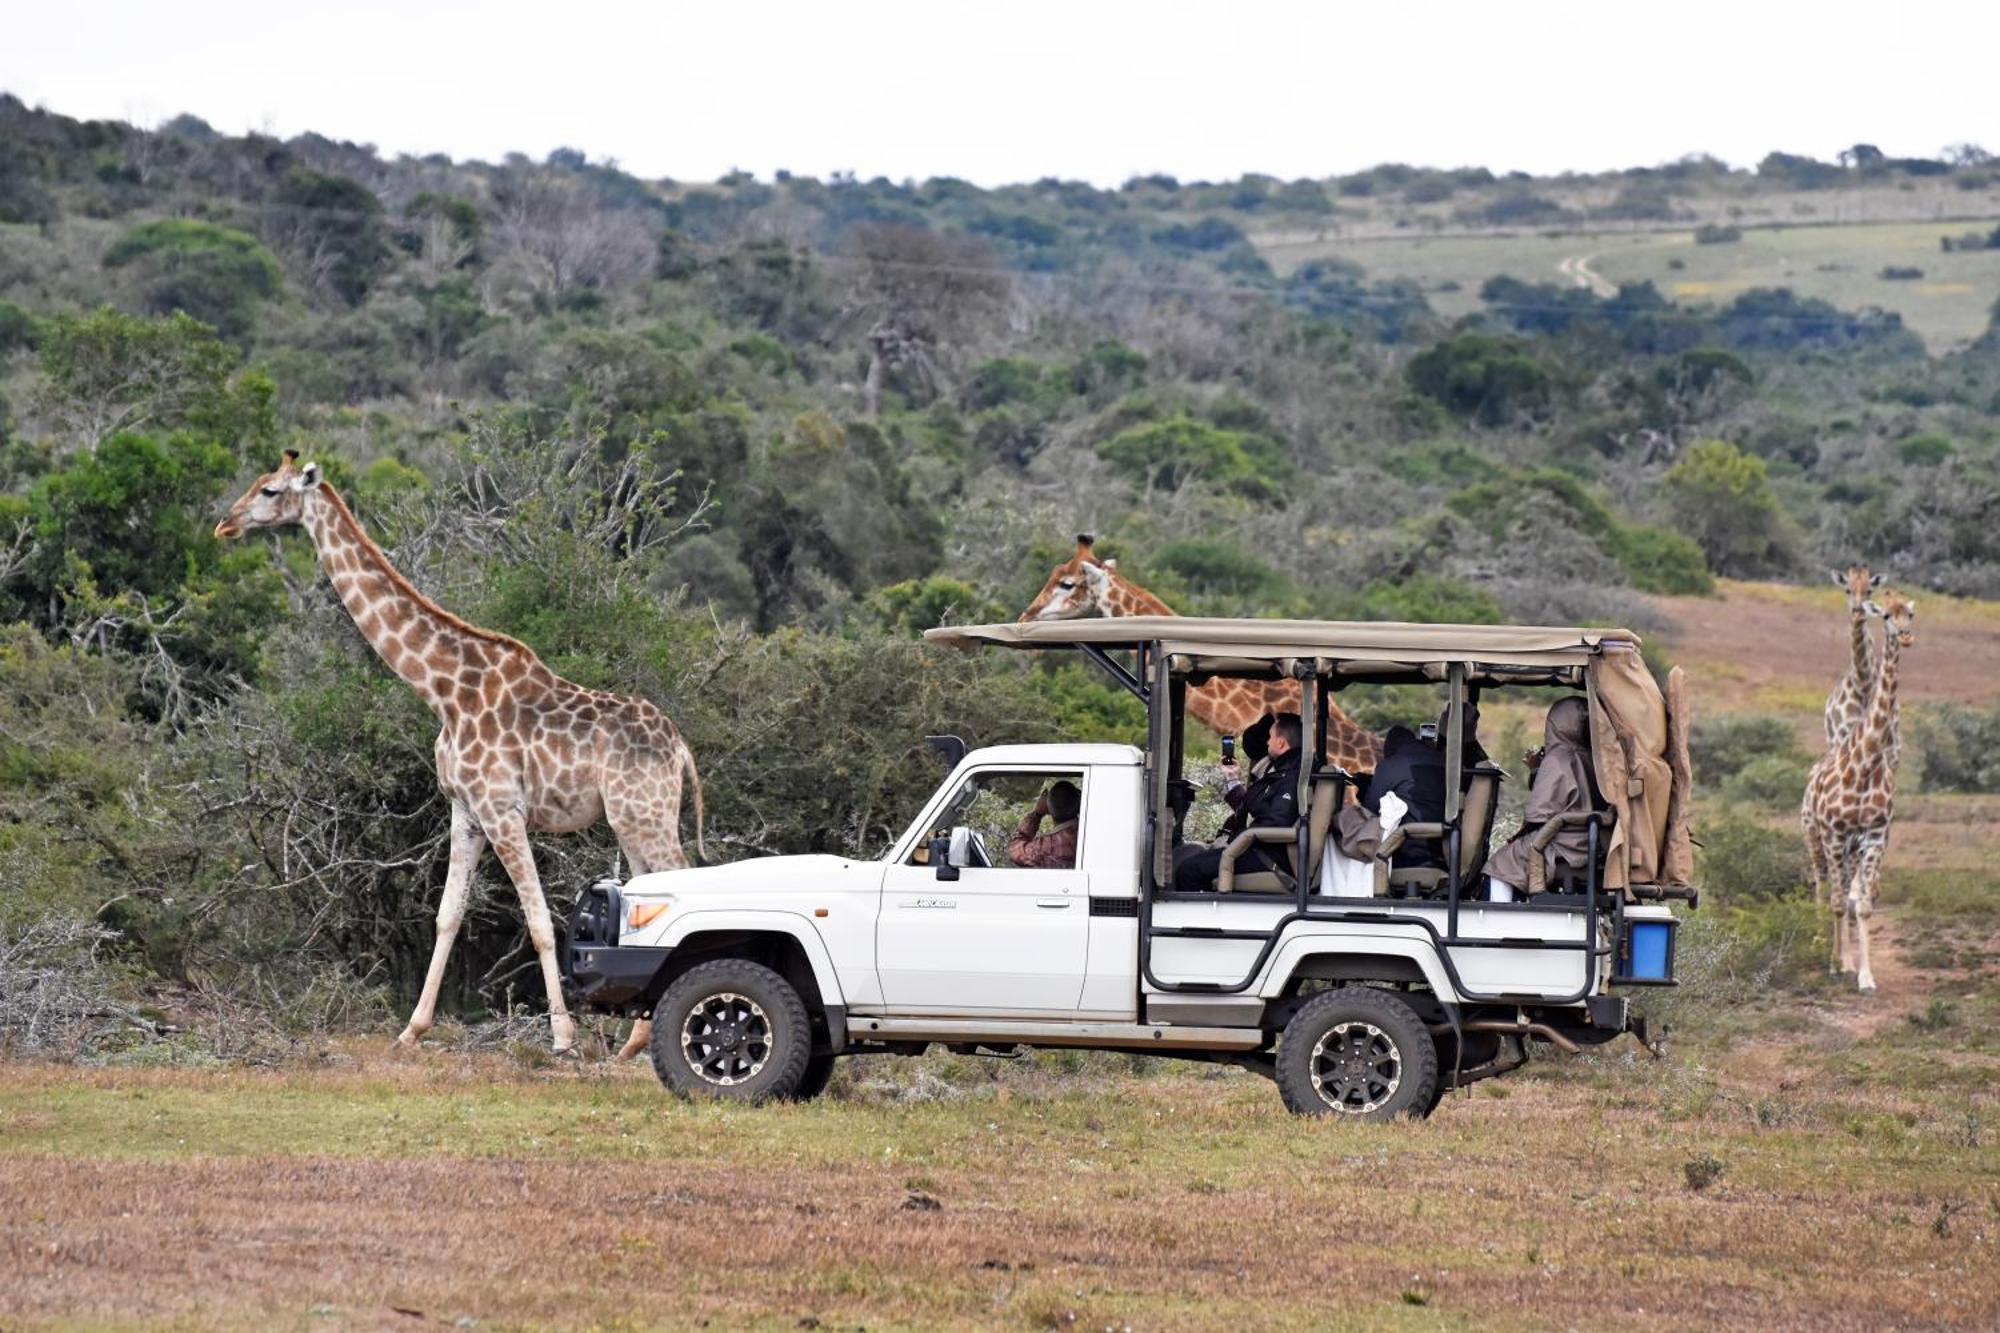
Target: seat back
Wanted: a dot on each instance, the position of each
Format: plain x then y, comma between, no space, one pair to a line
1319,816
1475,819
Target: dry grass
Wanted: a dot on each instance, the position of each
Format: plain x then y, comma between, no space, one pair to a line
466,1186
1778,648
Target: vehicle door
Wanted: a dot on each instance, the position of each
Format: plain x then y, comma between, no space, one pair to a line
1001,937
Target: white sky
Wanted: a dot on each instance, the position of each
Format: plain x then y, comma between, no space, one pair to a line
1091,89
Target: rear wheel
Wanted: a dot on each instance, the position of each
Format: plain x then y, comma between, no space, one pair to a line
732,1030
1360,1052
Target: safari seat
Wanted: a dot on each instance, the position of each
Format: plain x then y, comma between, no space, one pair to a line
1480,802
1570,878
1284,840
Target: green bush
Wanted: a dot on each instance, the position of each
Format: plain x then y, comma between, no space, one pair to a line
1661,560
1768,780
1721,497
1925,450
1430,599
1722,744
1959,748
17,328
1489,380
1742,860
1167,455
1714,233
216,274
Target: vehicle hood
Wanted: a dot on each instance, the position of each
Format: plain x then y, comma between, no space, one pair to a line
763,874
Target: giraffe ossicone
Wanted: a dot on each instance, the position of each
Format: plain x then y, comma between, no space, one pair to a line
519,749
1084,586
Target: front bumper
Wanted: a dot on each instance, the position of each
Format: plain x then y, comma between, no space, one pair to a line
603,973
612,976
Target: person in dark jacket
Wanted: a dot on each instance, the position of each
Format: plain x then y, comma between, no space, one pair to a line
1413,768
1270,801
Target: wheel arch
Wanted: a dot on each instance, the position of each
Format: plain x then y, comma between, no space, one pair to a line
1395,959
803,964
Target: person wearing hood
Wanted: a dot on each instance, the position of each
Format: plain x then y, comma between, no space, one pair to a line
1562,784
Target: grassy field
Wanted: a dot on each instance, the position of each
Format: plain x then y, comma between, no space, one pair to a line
1730,1186
1948,306
1801,1157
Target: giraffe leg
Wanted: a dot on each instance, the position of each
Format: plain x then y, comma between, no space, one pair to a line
648,846
1867,878
510,840
468,844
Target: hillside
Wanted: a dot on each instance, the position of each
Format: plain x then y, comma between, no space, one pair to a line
731,445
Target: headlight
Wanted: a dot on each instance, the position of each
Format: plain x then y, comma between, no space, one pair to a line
642,914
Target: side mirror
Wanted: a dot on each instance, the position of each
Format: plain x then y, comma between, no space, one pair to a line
941,858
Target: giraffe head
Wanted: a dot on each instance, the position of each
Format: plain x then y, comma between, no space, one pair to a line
1080,586
1898,616
1859,581
273,500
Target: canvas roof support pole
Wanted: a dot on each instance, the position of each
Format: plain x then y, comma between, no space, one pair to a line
1161,704
1311,713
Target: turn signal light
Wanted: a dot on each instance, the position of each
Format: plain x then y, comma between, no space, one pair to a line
645,913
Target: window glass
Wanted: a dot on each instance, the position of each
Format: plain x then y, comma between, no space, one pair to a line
994,806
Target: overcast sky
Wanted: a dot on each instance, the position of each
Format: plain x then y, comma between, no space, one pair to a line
1093,89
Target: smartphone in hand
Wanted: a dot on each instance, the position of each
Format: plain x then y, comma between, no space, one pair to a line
1229,749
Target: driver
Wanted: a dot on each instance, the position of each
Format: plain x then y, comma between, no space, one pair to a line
1056,849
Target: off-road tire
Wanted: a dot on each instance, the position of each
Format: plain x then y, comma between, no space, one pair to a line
764,1038
818,1073
1375,1057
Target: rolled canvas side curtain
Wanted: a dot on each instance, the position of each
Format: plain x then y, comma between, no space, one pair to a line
1677,860
1629,735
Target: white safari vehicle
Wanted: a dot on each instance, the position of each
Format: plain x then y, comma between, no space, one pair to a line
1369,1001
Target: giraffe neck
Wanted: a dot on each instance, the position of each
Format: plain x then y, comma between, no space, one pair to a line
415,638
1864,651
1878,724
1129,599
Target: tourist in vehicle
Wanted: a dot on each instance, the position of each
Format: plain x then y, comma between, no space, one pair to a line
1056,849
1271,801
1412,767
1562,784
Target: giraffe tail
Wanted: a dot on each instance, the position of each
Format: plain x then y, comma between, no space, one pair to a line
694,781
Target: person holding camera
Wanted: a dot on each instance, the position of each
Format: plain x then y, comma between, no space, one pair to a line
1055,850
1269,801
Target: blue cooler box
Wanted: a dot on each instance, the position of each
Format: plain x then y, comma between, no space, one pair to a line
1647,957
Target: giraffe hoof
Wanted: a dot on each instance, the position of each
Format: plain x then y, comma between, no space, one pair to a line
408,1040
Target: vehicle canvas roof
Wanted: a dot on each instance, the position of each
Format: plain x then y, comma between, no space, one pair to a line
1272,640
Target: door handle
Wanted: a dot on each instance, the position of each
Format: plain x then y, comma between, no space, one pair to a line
1052,902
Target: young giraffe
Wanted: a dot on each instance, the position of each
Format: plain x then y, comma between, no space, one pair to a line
1848,703
1851,800
520,749
1084,586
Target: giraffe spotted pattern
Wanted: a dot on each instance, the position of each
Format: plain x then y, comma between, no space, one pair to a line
519,749
1085,586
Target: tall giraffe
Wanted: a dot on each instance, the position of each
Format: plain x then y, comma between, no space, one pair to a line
1848,703
1850,802
519,749
1085,586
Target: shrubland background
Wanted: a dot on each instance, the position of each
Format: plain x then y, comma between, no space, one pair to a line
733,445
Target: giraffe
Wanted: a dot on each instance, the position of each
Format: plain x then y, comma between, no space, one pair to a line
520,749
1850,802
1084,586
1848,703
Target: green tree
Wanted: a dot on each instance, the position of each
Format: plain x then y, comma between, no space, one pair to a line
1721,498
216,274
331,227
1173,453
1483,378
107,373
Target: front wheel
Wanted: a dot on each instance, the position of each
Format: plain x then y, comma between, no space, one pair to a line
731,1030
1357,1051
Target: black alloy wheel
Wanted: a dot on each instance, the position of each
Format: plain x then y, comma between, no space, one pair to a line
731,1030
1358,1051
